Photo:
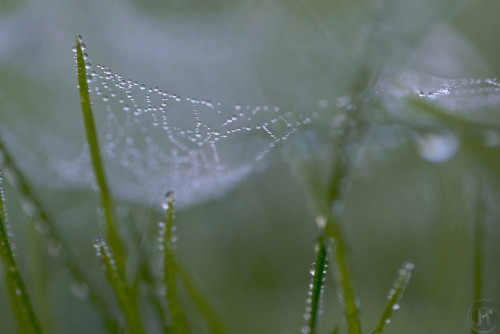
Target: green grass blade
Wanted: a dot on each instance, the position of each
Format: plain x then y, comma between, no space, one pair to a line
27,320
48,230
478,236
394,296
90,129
351,309
212,320
318,272
145,275
125,297
179,322
334,231
478,244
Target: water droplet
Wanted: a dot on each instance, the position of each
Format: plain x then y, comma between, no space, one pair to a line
491,138
409,265
338,207
437,147
97,243
321,221
169,199
312,269
54,247
80,290
396,307
74,49
343,101
390,294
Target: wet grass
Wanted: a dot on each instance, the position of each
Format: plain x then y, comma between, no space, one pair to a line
27,320
331,253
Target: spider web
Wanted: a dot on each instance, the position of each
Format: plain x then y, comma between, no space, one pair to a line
154,140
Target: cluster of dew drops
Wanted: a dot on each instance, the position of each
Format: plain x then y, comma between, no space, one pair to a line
5,219
441,146
459,87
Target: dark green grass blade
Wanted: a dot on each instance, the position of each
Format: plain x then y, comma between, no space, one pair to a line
27,321
313,308
478,242
125,297
48,230
395,296
179,322
478,245
90,130
212,320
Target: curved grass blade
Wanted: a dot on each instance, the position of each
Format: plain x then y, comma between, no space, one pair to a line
48,230
27,321
90,130
318,272
395,295
179,322
212,320
125,297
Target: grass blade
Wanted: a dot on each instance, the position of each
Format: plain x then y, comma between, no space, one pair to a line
179,322
90,130
395,295
145,274
123,294
318,272
333,230
48,230
113,257
27,321
478,244
351,309
211,318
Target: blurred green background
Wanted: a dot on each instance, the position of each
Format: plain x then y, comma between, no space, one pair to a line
249,248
